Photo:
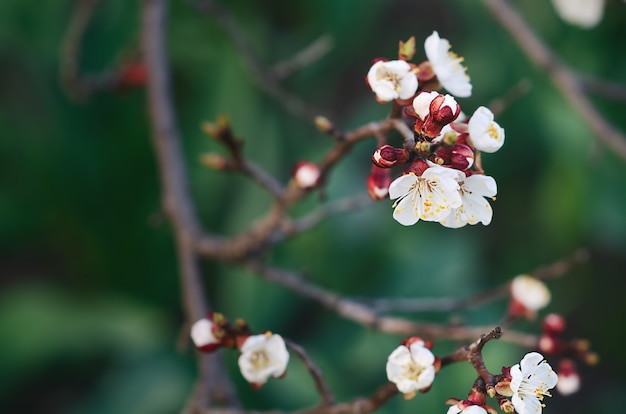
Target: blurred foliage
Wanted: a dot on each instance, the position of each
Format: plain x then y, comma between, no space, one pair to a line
90,312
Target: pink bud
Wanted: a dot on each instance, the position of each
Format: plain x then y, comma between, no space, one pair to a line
569,380
378,183
306,174
418,167
388,156
554,323
459,156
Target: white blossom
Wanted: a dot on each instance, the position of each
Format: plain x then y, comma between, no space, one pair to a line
392,80
447,66
202,333
583,13
429,197
472,409
532,293
530,381
485,134
474,207
263,356
411,368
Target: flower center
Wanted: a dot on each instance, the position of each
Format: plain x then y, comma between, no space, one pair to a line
412,371
492,131
389,77
259,359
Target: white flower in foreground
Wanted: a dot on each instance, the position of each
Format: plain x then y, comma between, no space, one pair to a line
263,356
428,197
530,292
474,207
202,335
411,368
530,381
392,80
447,66
485,134
583,13
472,409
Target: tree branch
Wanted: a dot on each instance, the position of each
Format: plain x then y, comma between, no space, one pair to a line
562,76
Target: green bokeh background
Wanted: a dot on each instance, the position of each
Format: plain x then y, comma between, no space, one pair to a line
90,312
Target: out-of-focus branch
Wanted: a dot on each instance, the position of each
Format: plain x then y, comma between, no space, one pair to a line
366,316
303,58
501,104
264,77
612,90
551,271
213,386
562,76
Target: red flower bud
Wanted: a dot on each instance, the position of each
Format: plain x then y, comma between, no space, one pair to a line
388,156
459,156
378,183
554,323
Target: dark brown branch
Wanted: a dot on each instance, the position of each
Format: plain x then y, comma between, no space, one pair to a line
213,386
611,90
562,76
326,395
365,316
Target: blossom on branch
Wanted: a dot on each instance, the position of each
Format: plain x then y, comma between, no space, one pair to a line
528,295
393,79
203,335
469,409
474,207
447,66
531,381
306,174
263,356
485,134
429,197
411,367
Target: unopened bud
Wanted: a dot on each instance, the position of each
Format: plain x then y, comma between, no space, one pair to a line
459,156
378,183
306,174
443,109
323,124
132,74
554,323
550,344
214,161
418,167
388,156
506,406
204,335
569,380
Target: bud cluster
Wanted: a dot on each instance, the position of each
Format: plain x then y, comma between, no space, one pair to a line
443,180
261,356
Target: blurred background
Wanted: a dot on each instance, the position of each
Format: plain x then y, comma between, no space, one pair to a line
90,311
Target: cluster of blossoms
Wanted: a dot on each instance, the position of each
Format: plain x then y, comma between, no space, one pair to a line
444,181
261,356
412,367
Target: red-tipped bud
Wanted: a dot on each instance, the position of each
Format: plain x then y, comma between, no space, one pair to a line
306,174
443,109
206,335
569,380
378,183
554,324
550,344
388,156
458,156
418,167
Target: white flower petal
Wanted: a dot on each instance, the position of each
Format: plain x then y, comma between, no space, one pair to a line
392,80
485,134
474,208
531,380
202,333
421,103
530,292
447,66
583,13
263,356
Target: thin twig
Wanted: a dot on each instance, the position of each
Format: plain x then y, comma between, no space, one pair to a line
326,395
408,305
562,76
213,387
365,315
264,78
303,58
609,89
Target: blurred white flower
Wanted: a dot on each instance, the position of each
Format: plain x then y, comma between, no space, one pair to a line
530,381
447,66
485,134
474,207
471,409
263,356
428,197
411,368
392,80
583,13
202,335
530,292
